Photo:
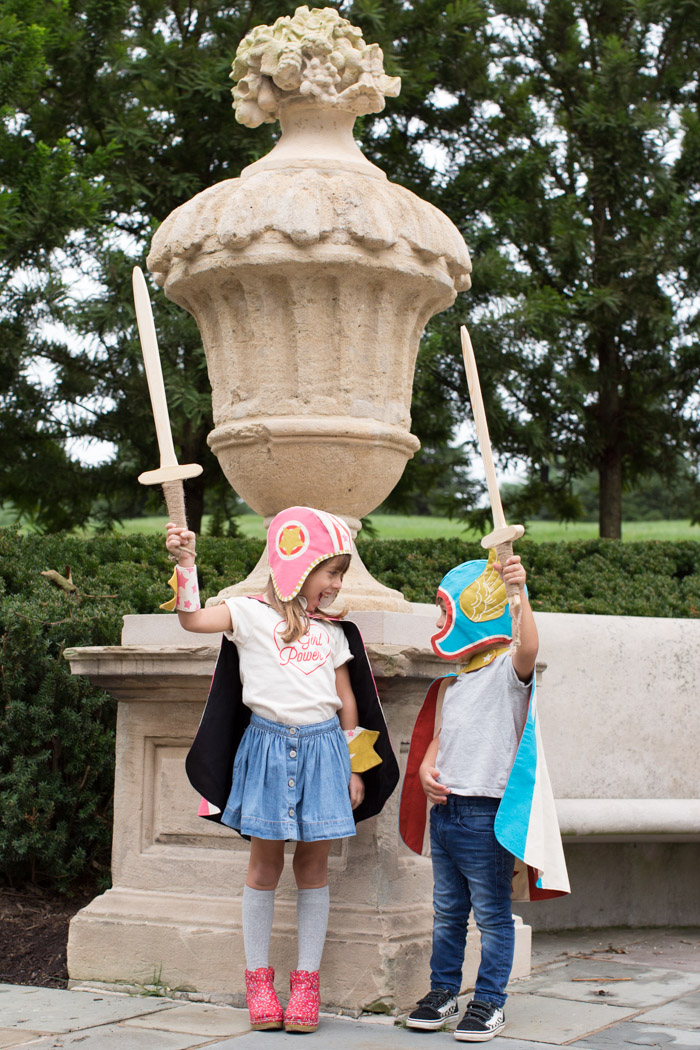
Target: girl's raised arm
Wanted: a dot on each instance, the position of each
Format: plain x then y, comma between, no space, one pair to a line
181,544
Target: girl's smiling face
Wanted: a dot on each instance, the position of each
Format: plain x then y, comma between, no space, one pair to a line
322,585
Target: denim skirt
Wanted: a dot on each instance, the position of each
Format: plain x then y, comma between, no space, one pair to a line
291,782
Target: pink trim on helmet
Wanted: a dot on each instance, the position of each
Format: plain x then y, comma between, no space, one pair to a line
299,539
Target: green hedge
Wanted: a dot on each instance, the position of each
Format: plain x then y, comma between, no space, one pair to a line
57,731
586,576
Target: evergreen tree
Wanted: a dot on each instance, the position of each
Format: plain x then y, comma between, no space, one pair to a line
571,128
568,138
125,110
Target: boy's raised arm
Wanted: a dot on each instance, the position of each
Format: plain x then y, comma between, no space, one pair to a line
525,655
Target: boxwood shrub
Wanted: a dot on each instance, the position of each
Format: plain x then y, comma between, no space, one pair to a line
57,731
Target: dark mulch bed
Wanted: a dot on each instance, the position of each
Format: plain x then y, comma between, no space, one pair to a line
33,935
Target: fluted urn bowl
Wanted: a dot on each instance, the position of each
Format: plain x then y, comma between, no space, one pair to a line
311,278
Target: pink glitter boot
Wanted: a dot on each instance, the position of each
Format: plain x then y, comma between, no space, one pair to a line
263,1005
301,1014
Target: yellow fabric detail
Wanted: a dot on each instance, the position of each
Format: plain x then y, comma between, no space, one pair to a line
485,598
361,748
483,658
172,582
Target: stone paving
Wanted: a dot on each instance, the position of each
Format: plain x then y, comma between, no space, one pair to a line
593,990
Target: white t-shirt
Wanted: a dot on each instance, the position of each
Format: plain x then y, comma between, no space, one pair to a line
483,716
288,682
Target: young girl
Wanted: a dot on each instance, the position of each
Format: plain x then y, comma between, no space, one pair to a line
271,757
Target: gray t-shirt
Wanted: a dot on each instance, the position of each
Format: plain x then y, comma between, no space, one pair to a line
483,715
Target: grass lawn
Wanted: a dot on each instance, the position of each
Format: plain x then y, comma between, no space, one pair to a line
404,527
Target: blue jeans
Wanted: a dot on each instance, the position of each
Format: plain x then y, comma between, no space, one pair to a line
470,870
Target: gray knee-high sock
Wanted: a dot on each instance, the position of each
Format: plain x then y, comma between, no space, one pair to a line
257,911
312,921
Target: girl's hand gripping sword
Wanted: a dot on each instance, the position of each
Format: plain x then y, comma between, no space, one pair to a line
170,473
503,535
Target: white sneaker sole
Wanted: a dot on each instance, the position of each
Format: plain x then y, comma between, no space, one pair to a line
433,1026
478,1037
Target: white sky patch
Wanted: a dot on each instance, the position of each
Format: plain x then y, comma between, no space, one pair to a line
41,373
442,99
80,284
511,473
16,122
435,156
90,451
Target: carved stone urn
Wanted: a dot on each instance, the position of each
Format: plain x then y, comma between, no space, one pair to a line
311,278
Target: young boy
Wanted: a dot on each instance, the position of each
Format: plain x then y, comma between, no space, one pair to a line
476,756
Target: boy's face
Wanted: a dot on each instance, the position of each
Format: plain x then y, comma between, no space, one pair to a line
442,613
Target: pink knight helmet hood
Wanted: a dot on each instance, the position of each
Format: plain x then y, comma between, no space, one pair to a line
299,539
478,616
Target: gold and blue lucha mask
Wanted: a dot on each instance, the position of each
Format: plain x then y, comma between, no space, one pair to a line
478,616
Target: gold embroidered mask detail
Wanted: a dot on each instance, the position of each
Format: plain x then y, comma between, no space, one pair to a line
485,597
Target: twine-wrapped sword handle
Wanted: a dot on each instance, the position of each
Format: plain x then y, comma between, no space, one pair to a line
504,551
174,493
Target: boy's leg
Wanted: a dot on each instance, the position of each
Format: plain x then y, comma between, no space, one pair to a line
451,903
451,907
488,868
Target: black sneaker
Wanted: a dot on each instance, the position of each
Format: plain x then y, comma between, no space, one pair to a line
481,1021
434,1010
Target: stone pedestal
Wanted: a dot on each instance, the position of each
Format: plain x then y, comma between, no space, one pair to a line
173,916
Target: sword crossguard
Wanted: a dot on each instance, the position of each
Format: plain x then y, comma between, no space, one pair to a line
164,475
504,534
171,479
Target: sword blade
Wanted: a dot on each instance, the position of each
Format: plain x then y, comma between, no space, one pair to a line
482,430
154,371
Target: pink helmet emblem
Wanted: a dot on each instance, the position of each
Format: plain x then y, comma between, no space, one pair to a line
298,540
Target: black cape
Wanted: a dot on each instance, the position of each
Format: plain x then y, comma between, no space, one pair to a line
209,764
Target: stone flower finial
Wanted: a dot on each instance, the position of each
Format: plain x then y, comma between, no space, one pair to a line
313,54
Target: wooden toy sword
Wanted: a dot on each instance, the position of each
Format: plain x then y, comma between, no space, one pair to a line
503,535
170,474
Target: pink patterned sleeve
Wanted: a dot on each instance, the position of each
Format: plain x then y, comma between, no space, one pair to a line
187,589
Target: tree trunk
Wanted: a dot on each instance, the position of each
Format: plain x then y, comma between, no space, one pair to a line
610,464
195,450
608,408
610,495
194,502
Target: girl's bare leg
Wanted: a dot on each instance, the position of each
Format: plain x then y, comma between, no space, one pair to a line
265,863
311,864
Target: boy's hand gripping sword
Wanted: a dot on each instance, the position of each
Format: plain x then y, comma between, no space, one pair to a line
170,473
503,535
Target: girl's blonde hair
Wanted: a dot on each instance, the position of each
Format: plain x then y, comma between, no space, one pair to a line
293,611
